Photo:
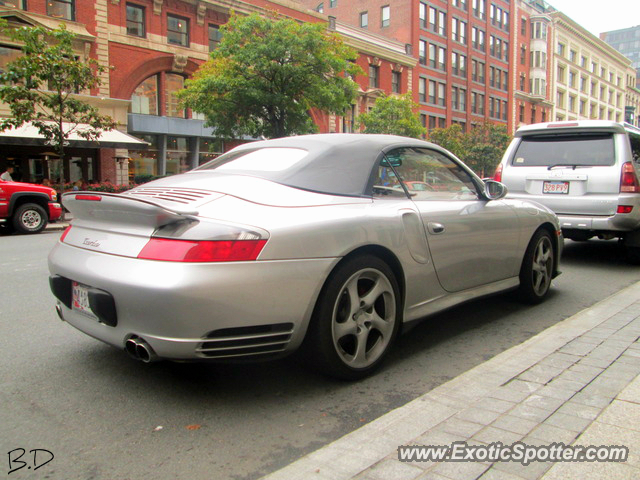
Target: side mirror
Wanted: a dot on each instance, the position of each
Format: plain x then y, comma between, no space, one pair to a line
494,190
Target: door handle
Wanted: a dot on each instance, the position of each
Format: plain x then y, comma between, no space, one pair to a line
435,228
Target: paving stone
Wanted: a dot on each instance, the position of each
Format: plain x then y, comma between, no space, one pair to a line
595,362
550,434
602,433
478,415
565,384
458,426
495,405
514,424
592,471
579,410
560,360
394,470
522,386
546,403
533,471
632,392
568,422
531,413
511,394
555,392
593,400
460,470
493,474
492,434
540,374
577,347
622,414
580,377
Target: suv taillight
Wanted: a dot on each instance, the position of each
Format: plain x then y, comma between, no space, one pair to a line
497,176
628,180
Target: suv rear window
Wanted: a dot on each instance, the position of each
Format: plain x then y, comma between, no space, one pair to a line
571,150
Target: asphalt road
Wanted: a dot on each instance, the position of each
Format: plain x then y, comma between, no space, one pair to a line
105,416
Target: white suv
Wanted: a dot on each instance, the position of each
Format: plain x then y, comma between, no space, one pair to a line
585,171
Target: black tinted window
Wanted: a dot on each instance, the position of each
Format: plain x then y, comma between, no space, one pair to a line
587,150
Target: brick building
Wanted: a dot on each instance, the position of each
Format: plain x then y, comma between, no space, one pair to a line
153,46
464,50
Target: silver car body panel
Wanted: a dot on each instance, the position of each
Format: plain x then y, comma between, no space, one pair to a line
182,309
593,191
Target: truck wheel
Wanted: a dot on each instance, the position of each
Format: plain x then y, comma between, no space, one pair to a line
29,218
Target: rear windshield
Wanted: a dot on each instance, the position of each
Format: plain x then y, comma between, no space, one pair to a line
570,150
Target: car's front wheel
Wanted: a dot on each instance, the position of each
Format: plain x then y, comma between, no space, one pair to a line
356,319
537,268
29,218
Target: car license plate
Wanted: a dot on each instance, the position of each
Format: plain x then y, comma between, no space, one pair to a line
555,187
80,300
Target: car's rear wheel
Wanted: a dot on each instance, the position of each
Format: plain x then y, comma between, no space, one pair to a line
29,218
537,268
356,319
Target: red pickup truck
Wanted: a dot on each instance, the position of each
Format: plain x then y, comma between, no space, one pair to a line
28,207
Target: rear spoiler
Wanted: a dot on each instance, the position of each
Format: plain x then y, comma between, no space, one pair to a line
113,208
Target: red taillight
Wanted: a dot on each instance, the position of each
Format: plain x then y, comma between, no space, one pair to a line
91,198
497,176
64,234
625,208
628,180
170,250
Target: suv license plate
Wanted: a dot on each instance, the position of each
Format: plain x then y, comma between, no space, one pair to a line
555,187
80,300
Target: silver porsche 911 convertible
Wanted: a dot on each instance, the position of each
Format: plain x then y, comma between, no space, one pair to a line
326,243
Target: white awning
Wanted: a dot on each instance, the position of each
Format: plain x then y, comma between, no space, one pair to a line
27,134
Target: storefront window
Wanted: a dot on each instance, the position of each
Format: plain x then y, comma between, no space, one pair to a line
143,164
174,83
145,98
210,148
177,155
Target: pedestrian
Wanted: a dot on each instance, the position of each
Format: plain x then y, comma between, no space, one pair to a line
6,176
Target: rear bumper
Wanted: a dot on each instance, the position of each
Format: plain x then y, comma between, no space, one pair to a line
615,223
187,311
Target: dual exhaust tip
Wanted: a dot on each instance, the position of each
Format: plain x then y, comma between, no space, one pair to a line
140,350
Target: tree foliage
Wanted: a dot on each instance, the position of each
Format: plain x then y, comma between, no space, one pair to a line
39,87
394,115
481,148
266,75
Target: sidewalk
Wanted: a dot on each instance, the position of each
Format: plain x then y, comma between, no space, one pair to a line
576,382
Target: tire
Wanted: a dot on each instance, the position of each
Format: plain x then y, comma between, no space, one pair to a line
537,268
30,218
355,320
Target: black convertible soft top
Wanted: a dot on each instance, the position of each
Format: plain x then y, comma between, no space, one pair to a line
338,164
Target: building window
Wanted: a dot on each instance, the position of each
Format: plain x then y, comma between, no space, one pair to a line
8,54
459,31
572,56
215,35
385,16
177,30
422,89
395,81
13,3
173,84
61,9
320,8
523,26
145,97
521,114
561,49
422,52
422,13
432,91
442,96
374,76
135,20
364,19
442,23
333,3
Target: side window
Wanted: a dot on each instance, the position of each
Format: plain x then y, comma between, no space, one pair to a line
431,175
386,183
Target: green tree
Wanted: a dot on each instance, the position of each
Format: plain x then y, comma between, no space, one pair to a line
481,148
452,138
266,76
485,145
40,86
394,115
